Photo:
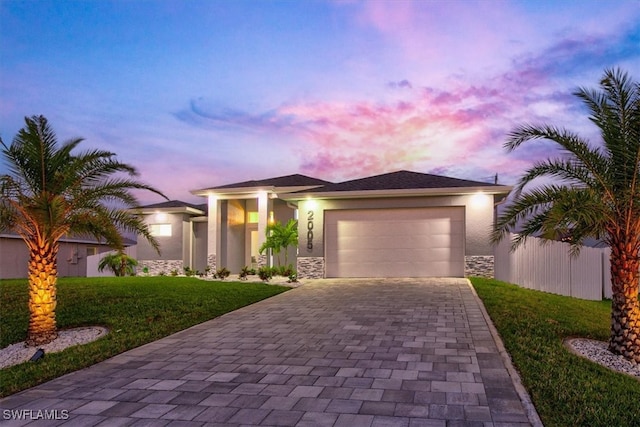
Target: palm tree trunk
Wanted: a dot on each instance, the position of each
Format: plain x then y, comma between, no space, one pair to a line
43,275
625,310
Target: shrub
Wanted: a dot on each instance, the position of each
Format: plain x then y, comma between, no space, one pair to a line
265,273
288,271
119,263
222,273
173,272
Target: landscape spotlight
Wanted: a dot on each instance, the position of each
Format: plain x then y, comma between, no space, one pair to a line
39,354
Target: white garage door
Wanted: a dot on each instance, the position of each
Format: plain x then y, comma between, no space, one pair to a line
410,242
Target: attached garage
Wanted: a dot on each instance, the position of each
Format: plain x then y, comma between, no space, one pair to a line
400,242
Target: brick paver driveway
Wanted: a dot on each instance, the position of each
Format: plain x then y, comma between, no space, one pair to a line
406,352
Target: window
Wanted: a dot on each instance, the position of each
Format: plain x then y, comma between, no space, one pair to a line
91,250
252,217
160,230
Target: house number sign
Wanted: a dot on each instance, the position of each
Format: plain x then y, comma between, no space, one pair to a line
310,231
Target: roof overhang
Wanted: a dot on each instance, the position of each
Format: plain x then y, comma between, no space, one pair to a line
174,210
410,192
250,192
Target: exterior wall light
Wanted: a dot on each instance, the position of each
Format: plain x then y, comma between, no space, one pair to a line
479,200
312,204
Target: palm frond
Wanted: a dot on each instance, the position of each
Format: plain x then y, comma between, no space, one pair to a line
597,188
51,192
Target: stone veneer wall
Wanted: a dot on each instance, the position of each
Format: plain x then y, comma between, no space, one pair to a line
481,266
310,267
157,266
211,262
262,261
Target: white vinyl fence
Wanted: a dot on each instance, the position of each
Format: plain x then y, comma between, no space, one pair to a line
548,266
94,260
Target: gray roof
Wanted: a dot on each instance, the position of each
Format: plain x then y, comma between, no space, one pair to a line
401,180
295,180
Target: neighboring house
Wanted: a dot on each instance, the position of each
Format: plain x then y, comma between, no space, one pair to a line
400,224
72,255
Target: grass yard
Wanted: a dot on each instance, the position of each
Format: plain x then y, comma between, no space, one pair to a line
566,389
137,310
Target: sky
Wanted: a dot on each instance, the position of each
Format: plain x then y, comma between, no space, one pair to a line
201,93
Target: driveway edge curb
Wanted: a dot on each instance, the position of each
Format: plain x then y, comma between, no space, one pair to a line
532,413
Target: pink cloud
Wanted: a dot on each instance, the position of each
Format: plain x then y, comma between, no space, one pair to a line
457,125
419,128
424,129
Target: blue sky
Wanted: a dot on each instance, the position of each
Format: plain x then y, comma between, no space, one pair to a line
202,93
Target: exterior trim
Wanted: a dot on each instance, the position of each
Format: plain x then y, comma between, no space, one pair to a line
414,192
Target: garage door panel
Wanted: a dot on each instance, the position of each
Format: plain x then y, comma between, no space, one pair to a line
439,254
439,240
395,242
353,229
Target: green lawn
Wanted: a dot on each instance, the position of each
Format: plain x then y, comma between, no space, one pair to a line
137,310
567,390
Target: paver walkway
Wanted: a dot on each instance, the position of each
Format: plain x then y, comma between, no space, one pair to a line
407,352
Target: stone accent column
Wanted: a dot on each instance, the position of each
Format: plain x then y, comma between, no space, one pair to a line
211,262
310,267
262,261
480,265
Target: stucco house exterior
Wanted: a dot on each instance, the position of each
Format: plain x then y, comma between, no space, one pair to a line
399,224
72,255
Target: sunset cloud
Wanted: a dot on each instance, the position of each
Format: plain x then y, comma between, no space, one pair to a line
422,127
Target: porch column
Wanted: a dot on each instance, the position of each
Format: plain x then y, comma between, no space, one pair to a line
263,221
213,220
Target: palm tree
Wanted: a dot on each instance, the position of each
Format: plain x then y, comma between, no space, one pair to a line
596,192
280,237
49,193
119,263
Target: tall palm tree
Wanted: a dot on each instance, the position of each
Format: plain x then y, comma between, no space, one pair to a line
49,193
595,192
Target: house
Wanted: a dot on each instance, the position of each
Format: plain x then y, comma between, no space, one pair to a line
399,224
181,231
72,255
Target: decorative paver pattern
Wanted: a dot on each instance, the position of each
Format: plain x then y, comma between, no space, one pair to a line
374,352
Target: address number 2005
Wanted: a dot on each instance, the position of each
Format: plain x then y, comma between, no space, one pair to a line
309,231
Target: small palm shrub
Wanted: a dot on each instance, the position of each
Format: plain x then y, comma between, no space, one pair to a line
119,263
265,273
244,273
222,273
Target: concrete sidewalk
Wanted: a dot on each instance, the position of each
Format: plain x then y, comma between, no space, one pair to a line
380,352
